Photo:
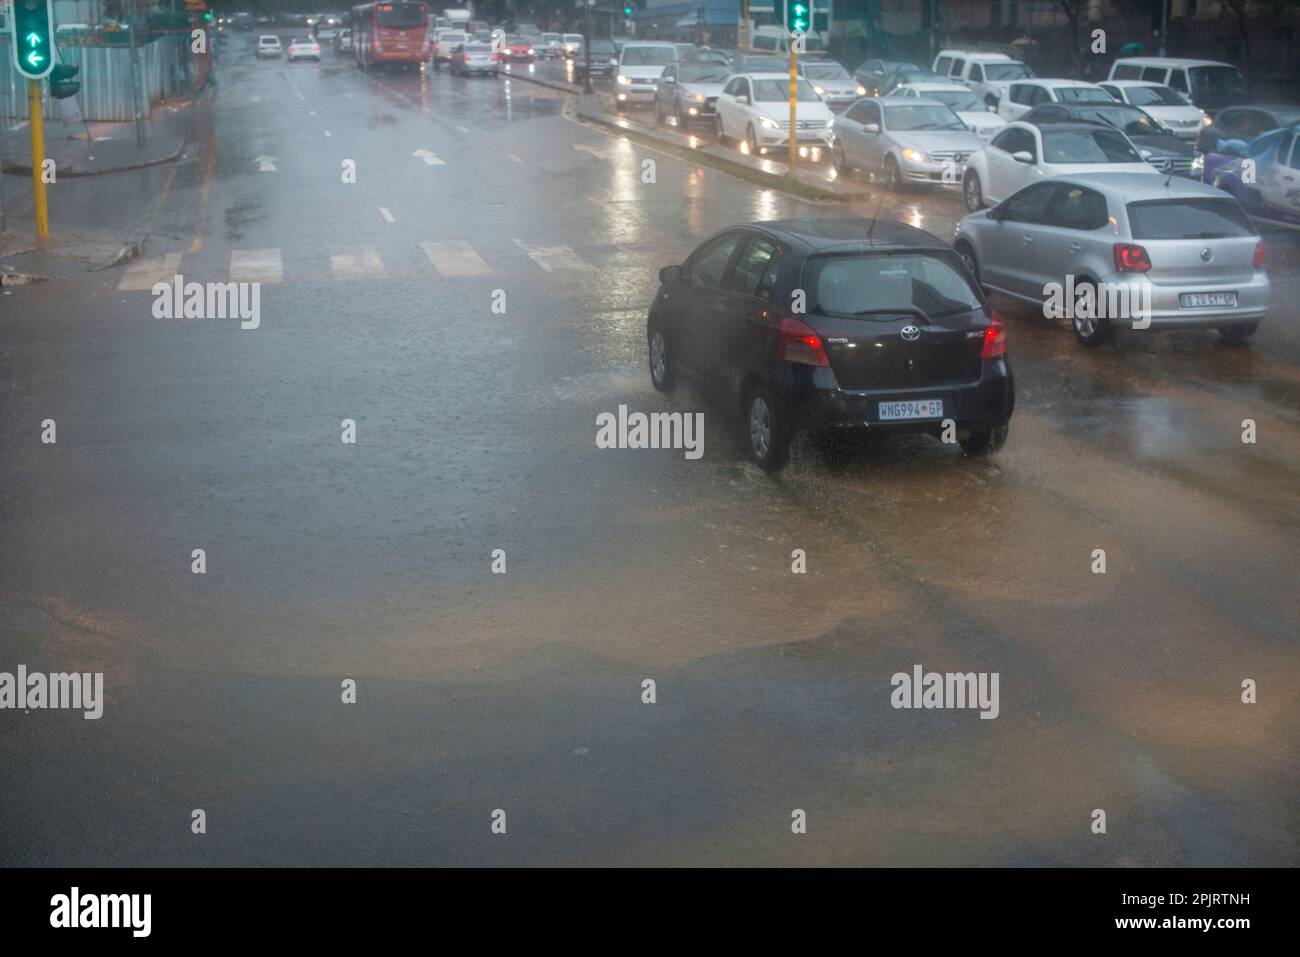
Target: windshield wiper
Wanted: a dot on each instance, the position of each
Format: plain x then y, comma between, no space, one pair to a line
896,311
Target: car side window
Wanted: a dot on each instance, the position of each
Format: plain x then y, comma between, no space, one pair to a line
1153,74
755,270
1127,71
1019,93
1039,95
1004,140
670,72
1016,141
872,113
1112,90
709,267
1030,204
732,88
957,67
1077,207
976,73
1178,80
857,113
941,65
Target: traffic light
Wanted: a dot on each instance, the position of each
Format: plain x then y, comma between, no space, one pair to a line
62,84
629,8
796,15
33,37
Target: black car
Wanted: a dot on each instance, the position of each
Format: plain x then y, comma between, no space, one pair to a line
604,60
1245,123
872,73
830,325
1159,147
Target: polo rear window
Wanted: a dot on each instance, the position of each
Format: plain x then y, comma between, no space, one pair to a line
1207,218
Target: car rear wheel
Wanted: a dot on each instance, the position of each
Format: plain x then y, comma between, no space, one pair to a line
967,255
769,437
973,192
1091,330
1237,335
984,441
661,367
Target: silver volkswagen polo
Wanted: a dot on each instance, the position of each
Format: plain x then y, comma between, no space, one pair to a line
1111,249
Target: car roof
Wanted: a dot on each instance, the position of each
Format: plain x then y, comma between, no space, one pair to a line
1168,61
977,55
1139,186
1073,124
819,235
1266,107
937,87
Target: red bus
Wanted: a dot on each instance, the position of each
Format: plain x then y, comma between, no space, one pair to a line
390,33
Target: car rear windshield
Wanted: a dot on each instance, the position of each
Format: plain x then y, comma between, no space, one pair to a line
870,285
400,16
1088,146
1208,218
648,56
478,48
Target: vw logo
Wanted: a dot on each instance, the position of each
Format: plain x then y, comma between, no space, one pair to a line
910,333
1206,254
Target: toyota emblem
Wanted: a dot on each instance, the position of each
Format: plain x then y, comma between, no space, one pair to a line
910,333
1206,254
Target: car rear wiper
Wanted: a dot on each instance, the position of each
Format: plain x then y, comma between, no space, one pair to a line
1206,235
897,310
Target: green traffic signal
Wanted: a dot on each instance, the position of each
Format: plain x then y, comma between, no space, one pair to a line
62,84
33,21
797,16
628,9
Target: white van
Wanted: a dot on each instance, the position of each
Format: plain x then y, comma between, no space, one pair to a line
987,74
1210,84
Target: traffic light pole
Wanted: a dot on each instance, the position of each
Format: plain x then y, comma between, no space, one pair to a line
586,46
794,100
36,114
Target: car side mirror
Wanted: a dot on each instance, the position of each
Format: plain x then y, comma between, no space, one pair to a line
871,127
742,98
668,80
670,275
1023,156
992,107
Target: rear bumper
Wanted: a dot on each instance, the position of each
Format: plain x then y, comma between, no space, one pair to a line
1167,312
983,403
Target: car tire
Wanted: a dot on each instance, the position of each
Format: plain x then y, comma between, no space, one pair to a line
984,441
1237,335
659,114
973,192
1095,331
769,434
893,175
967,254
719,130
841,161
661,363
751,140
680,114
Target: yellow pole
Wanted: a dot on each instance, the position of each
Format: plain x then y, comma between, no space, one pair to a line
744,28
794,99
37,119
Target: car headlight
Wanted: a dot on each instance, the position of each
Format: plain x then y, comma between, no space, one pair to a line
626,81
1206,121
530,51
613,63
1198,163
820,91
915,156
862,91
830,123
698,97
770,124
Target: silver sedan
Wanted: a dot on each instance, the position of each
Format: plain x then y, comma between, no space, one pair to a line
904,141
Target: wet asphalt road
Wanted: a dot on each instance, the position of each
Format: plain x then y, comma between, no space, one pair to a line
476,432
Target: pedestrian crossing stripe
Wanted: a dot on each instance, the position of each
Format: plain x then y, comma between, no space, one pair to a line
450,259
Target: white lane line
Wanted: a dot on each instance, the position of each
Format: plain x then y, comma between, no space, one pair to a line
553,258
143,273
311,112
514,157
327,132
430,158
455,258
256,265
463,129
383,211
357,262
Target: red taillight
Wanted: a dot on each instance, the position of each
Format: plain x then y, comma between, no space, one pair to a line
800,343
1130,258
995,339
465,57
1260,259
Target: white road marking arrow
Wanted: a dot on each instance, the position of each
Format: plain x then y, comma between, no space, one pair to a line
266,164
430,159
597,151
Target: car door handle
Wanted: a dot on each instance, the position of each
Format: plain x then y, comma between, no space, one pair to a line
1026,239
1076,247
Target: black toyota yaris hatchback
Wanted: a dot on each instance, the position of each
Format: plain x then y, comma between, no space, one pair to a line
835,324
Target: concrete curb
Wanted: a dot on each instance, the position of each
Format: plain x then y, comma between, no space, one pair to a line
549,84
19,170
779,181
20,278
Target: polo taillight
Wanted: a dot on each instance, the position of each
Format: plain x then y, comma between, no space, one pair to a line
995,339
1260,259
1130,257
800,343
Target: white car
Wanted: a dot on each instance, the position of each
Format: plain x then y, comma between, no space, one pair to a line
962,100
639,67
571,44
304,50
987,74
268,46
551,46
1170,109
1023,153
755,107
1024,95
1208,83
444,42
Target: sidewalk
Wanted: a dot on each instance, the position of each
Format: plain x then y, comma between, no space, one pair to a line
111,147
66,253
